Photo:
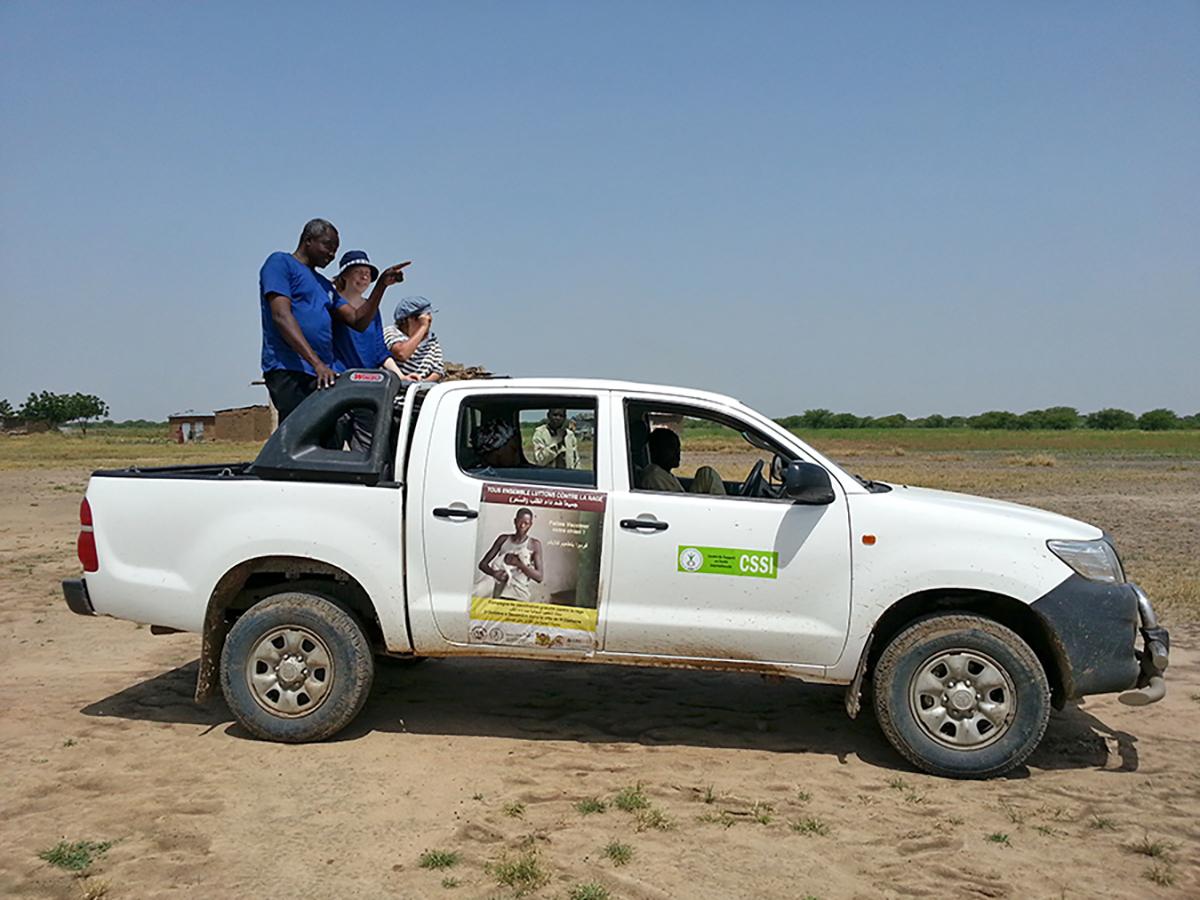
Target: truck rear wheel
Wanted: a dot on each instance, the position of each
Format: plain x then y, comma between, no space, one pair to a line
961,696
295,668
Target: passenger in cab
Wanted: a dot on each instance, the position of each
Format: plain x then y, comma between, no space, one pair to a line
664,456
554,444
497,445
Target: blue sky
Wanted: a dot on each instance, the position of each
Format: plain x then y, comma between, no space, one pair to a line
917,207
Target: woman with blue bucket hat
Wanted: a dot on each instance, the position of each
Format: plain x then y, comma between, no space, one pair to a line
359,349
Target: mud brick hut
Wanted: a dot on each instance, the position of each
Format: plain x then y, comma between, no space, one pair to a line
244,423
14,425
190,426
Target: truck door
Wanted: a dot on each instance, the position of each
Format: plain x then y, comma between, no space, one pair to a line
701,571
511,507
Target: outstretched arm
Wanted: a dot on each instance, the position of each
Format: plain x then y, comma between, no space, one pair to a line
360,318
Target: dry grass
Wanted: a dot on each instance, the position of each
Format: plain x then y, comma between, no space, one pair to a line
103,451
1033,459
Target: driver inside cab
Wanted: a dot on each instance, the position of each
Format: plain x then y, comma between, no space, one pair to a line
664,456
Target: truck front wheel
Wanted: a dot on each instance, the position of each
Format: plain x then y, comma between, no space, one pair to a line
296,668
961,696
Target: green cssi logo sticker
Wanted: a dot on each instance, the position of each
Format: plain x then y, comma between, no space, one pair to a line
728,561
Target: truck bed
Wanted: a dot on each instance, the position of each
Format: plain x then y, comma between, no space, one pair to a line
208,470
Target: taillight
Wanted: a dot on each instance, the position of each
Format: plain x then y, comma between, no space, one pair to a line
85,547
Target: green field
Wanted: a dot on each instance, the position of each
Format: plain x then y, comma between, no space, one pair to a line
150,445
1182,443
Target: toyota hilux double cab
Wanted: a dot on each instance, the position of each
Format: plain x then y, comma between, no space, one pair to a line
597,521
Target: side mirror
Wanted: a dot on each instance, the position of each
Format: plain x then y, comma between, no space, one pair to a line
807,483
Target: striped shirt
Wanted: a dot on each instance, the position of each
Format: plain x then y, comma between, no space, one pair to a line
425,360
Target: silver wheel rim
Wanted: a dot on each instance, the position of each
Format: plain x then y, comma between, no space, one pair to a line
290,671
963,699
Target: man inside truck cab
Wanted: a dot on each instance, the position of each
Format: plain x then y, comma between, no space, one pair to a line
554,444
497,445
665,453
297,304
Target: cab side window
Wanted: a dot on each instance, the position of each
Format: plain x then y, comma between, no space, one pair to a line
538,440
683,450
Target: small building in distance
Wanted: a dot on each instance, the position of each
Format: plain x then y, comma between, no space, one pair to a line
16,425
244,423
190,426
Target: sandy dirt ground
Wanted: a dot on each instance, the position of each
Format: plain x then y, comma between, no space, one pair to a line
764,789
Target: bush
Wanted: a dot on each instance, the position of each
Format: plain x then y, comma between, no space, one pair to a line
1052,418
1060,418
1158,420
1112,420
844,420
993,419
816,418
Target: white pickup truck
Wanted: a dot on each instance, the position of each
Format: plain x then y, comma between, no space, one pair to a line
541,519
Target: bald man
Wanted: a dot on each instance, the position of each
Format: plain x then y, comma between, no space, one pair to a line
665,453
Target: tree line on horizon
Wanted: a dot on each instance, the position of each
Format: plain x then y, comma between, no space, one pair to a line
84,409
57,409
1054,418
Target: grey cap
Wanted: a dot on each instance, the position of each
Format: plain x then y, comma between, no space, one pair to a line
412,306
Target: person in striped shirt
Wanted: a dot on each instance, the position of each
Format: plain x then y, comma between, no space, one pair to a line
411,343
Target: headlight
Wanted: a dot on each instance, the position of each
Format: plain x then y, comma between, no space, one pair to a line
1096,560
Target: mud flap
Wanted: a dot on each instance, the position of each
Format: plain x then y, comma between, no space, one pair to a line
854,690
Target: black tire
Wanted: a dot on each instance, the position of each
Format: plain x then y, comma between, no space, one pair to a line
920,651
346,680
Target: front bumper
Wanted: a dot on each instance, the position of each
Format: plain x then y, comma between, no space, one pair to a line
1154,656
1095,629
76,594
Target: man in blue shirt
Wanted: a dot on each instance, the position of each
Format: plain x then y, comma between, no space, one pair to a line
297,304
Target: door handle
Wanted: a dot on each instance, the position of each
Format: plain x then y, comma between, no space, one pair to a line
455,512
638,524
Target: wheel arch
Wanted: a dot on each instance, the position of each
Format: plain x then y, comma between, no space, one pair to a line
1007,611
253,580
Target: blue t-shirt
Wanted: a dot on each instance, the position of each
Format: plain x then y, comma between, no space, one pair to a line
313,299
360,349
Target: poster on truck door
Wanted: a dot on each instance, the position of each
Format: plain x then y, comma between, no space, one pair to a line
537,567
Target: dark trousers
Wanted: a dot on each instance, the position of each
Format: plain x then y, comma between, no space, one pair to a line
358,429
288,389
